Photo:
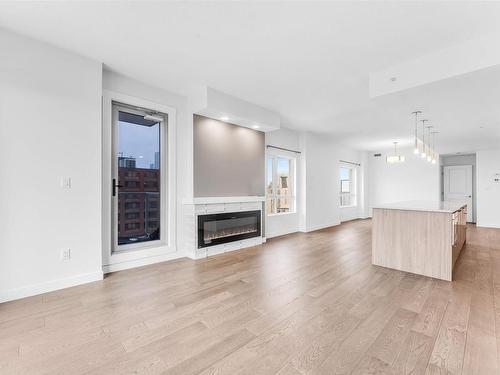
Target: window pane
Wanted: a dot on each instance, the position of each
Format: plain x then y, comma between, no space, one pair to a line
138,160
345,186
279,185
270,205
346,200
283,176
345,173
283,204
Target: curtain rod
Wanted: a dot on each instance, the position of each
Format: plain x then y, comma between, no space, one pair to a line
350,162
284,149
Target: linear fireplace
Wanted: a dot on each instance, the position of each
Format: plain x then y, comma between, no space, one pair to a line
215,229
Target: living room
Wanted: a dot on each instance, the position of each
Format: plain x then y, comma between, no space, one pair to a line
240,187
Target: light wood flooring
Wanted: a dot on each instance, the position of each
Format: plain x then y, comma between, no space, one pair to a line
300,304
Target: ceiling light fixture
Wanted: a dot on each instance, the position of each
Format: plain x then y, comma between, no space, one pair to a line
224,118
256,126
424,146
417,147
395,158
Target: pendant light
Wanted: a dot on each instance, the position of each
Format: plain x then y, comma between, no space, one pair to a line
416,150
423,151
429,149
395,158
434,147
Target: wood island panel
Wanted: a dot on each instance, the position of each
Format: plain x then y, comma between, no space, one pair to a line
419,242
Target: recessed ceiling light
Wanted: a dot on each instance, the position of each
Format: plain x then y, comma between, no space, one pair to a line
224,118
256,126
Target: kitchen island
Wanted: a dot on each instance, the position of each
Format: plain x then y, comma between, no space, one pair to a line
420,237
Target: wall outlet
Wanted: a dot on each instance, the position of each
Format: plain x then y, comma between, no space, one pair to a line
65,254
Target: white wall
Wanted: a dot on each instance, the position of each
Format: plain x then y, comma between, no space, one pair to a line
488,191
415,179
322,161
277,225
50,111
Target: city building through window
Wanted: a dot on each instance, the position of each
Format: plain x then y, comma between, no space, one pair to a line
138,173
280,185
347,186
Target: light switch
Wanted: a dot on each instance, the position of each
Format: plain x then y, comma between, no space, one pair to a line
66,182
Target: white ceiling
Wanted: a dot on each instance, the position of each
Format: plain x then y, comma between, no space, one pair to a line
308,61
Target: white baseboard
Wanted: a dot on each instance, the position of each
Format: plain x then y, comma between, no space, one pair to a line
318,227
281,233
49,286
141,262
487,225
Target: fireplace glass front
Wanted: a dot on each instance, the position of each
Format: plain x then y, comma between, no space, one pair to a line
215,229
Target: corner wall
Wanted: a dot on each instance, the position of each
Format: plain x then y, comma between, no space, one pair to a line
50,116
321,184
488,190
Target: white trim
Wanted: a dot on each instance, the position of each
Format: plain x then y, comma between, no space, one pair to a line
120,266
49,286
214,200
168,249
283,213
487,225
280,233
116,108
318,227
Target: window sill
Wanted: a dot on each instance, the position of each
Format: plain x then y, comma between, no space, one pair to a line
282,214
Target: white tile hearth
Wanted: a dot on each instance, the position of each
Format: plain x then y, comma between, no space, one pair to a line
211,205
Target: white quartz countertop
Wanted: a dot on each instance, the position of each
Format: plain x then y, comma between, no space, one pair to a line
431,206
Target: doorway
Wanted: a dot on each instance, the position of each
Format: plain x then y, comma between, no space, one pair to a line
458,182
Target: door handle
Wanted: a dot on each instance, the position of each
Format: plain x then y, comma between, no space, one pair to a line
115,185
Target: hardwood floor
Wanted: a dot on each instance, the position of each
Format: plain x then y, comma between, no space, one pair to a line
300,304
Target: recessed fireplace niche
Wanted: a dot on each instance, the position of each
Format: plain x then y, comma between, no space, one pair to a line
215,229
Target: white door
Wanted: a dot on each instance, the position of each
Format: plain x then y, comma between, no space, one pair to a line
458,186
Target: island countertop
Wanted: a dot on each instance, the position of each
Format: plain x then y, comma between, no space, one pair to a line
428,206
